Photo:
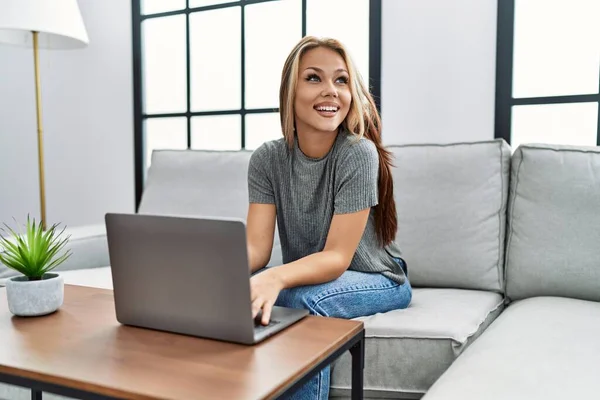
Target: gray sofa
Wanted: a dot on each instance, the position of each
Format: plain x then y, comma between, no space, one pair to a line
503,252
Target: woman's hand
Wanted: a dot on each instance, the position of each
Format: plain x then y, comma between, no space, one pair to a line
264,289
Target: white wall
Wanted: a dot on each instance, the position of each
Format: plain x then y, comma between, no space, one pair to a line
438,70
88,123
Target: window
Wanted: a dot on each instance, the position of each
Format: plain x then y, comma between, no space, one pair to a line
207,72
548,72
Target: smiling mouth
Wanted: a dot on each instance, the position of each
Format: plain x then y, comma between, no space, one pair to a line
327,111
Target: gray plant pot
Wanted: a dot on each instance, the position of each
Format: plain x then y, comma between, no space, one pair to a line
34,298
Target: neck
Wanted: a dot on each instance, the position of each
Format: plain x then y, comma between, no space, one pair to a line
315,144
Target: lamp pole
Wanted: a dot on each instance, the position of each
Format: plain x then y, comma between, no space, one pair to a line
40,135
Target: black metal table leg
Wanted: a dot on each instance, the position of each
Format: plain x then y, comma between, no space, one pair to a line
358,365
36,394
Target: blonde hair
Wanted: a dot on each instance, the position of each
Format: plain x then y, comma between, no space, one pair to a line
362,121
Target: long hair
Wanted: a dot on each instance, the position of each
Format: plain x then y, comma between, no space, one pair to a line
362,120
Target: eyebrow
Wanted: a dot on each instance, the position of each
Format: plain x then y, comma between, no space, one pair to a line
320,70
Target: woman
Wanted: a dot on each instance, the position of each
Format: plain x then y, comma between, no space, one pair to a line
328,184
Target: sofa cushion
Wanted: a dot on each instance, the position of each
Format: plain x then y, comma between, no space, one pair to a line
451,202
93,277
200,183
553,246
407,350
99,277
197,182
544,348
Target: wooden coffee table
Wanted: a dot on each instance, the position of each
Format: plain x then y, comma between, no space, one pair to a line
82,351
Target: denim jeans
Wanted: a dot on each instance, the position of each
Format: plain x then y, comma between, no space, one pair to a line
354,294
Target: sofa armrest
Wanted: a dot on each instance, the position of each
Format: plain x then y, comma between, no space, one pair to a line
88,246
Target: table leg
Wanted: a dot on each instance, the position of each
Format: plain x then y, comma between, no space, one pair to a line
36,394
358,364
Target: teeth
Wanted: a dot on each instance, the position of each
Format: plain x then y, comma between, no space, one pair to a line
327,108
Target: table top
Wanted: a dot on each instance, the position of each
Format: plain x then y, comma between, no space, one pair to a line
83,346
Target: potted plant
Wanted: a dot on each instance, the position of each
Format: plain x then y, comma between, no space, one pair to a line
34,254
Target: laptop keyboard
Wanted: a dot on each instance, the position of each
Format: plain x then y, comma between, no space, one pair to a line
259,327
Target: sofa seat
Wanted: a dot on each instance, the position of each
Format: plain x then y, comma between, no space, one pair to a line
100,277
407,350
542,348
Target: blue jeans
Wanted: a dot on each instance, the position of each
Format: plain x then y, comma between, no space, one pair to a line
354,294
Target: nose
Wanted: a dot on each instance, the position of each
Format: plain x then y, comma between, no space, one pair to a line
329,90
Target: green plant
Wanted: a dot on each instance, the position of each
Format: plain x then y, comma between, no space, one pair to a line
34,253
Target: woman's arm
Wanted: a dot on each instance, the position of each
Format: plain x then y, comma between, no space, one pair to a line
260,229
343,238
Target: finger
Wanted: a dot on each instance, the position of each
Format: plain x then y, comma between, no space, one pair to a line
256,306
266,315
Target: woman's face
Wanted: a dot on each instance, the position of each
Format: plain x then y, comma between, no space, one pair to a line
323,91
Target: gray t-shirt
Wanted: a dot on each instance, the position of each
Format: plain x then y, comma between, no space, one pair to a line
307,192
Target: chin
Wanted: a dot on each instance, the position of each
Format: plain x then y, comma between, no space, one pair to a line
327,127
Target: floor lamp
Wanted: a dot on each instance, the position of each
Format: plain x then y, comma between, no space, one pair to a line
42,24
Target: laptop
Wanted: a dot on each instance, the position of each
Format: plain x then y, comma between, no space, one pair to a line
186,275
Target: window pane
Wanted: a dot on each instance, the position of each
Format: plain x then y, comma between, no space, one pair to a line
163,49
158,6
202,3
219,132
265,62
573,124
346,21
216,59
261,128
164,133
556,47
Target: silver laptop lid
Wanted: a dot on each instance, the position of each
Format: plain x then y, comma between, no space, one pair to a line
181,274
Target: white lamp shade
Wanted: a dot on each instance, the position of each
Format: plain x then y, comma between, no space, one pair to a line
58,22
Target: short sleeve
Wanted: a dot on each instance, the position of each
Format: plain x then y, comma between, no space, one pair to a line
357,178
260,188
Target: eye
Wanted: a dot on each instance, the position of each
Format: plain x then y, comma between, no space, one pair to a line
342,79
313,78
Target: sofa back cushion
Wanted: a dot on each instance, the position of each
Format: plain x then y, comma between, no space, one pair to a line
451,201
553,244
199,183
